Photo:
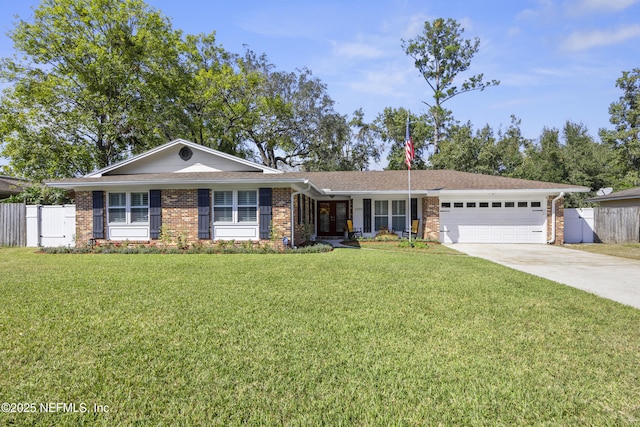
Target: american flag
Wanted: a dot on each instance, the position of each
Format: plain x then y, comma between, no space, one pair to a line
409,150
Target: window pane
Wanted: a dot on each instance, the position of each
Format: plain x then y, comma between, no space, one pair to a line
398,207
381,222
223,198
139,215
222,214
247,198
382,207
139,199
117,215
117,199
247,214
399,223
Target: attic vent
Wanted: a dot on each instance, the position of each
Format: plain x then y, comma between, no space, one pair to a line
185,153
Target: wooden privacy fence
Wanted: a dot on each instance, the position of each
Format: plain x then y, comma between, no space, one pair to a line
617,225
13,220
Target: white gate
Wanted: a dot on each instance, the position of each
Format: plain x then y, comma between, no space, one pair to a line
578,225
51,226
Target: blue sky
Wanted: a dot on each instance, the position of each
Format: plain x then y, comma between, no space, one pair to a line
557,60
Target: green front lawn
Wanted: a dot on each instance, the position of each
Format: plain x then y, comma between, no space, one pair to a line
349,337
623,250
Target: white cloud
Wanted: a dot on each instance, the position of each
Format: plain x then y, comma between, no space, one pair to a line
584,40
544,10
357,50
601,5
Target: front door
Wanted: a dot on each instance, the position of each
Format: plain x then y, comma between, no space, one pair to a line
332,217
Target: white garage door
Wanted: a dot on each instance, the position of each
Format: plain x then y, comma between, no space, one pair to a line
496,221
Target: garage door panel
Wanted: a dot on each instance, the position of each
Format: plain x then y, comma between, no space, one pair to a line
493,225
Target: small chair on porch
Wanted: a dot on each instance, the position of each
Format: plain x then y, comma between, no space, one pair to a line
353,232
415,225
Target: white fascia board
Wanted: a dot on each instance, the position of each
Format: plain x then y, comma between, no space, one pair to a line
193,145
164,183
329,192
508,192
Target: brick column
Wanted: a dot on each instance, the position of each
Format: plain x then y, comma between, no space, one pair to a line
84,217
431,218
281,212
559,220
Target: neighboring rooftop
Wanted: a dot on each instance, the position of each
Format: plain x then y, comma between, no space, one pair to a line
631,193
10,186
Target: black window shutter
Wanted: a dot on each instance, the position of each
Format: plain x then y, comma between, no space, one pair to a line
366,213
98,214
265,201
155,213
414,208
204,213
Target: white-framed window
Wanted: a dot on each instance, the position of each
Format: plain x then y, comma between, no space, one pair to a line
398,214
247,206
128,208
381,214
235,206
139,207
223,206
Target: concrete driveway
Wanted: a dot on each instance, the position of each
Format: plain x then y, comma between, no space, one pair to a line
610,277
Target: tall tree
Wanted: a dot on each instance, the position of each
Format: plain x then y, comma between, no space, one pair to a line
463,151
391,126
509,148
292,113
344,145
569,156
625,138
221,96
441,53
94,87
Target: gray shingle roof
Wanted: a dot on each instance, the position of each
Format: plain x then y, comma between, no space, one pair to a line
631,193
369,181
9,186
422,180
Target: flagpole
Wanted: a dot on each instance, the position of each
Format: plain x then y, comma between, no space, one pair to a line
408,158
409,204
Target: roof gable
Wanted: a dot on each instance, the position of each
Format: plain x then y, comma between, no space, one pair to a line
181,156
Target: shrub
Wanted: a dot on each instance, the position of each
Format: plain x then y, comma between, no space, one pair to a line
221,247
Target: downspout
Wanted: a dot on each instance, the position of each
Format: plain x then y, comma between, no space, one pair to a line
553,218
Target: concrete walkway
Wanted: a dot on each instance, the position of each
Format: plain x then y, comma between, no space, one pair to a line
610,277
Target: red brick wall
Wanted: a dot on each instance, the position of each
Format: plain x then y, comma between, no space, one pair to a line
84,217
431,218
180,214
281,212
